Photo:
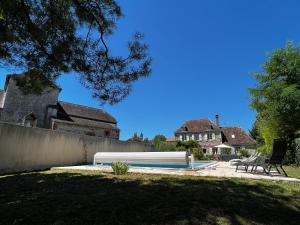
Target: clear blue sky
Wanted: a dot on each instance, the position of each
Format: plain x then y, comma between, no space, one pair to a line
203,53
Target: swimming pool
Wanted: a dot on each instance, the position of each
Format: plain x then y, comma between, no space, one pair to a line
198,164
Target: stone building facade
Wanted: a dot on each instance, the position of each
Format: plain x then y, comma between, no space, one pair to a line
45,111
209,135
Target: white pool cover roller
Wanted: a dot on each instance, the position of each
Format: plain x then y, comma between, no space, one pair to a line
168,158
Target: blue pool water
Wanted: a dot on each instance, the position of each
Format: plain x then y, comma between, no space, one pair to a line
197,165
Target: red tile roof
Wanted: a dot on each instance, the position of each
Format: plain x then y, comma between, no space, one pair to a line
171,140
198,125
236,136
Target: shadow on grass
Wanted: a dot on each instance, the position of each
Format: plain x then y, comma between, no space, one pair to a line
81,198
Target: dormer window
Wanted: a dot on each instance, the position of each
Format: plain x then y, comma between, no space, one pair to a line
185,129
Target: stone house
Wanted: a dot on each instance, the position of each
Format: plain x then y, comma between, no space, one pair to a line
45,111
209,135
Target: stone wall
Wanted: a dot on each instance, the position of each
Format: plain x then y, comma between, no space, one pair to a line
204,142
28,149
17,105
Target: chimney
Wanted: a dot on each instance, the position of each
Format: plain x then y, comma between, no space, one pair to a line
217,120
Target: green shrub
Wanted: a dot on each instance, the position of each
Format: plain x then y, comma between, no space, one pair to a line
120,168
244,153
165,147
297,147
180,149
209,157
198,153
225,151
289,157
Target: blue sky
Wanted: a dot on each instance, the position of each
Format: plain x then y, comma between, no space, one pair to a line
203,54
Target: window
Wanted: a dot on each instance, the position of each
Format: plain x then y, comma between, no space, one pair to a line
209,136
213,136
196,137
215,151
106,133
200,137
233,136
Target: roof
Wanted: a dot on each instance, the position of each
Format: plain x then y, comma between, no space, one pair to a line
237,136
84,113
197,125
170,139
87,122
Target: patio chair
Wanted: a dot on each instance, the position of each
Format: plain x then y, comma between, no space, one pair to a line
276,158
246,162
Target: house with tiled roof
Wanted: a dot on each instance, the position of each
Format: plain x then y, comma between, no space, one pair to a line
45,111
209,135
171,140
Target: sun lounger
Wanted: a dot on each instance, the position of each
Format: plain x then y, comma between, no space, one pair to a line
233,161
247,162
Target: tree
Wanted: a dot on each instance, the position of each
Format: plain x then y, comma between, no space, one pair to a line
187,144
277,96
51,37
158,138
255,134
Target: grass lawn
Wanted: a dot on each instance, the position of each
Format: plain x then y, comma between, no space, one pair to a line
68,197
293,171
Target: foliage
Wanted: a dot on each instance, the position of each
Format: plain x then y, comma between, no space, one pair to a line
289,158
297,147
209,157
165,146
187,144
277,97
269,131
120,168
225,151
191,144
244,152
158,138
138,138
54,37
180,148
198,153
255,134
160,144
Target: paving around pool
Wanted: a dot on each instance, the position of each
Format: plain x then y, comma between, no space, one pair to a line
215,169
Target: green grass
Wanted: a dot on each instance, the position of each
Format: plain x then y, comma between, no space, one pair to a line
293,171
68,197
